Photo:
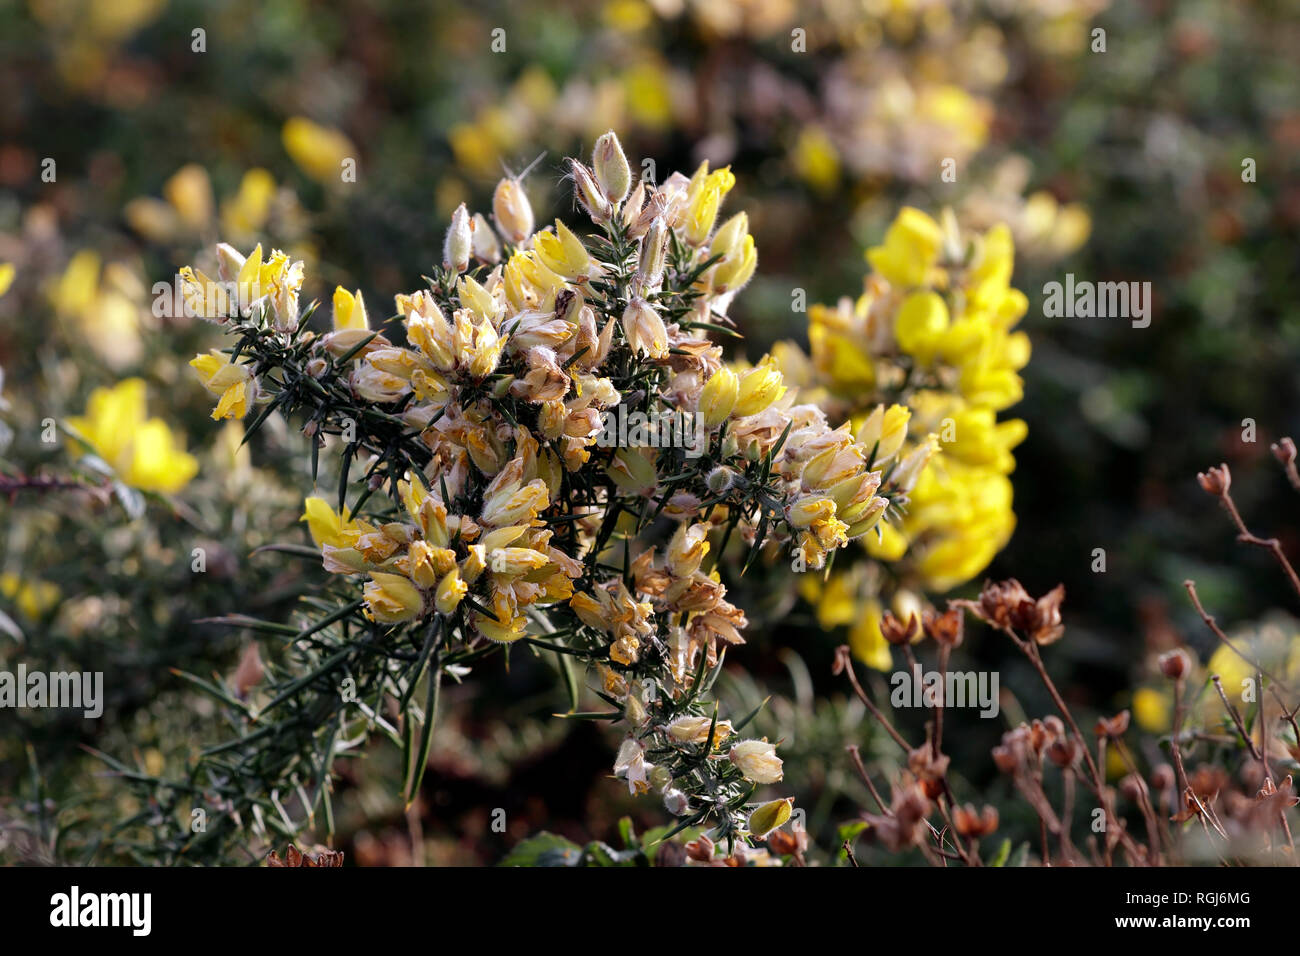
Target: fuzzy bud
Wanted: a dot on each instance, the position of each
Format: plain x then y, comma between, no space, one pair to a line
611,168
459,244
589,193
512,211
720,480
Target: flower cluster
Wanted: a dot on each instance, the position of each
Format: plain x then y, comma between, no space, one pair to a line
928,356
510,517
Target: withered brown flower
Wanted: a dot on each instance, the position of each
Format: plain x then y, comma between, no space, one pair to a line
899,632
1112,726
1007,604
317,857
999,601
945,628
968,823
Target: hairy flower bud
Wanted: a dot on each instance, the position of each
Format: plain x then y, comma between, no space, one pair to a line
590,196
611,168
720,480
459,244
676,802
884,430
512,211
487,248
650,262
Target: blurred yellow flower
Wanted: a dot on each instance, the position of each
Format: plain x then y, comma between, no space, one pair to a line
246,212
815,159
143,451
866,641
1152,709
7,272
32,597
318,150
910,249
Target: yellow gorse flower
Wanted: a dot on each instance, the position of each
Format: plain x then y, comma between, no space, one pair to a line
349,310
328,526
143,451
233,382
563,253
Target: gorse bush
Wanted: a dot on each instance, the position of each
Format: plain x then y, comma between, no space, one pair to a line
487,501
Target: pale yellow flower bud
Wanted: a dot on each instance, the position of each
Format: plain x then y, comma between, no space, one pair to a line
770,816
375,385
718,397
759,388
885,431
691,729
730,237
229,261
610,165
512,211
392,598
868,519
459,244
654,253
701,215
737,269
487,248
476,298
757,761
634,204
633,471
910,468
644,329
590,611
451,589
514,561
349,310
687,549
